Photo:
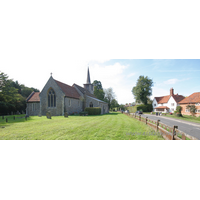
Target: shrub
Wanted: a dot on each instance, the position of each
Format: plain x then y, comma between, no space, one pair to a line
179,109
179,115
83,113
93,111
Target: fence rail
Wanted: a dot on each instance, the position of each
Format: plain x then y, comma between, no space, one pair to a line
168,133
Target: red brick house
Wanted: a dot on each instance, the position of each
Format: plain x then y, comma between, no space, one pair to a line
193,99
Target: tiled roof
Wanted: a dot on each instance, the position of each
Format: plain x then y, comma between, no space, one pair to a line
163,99
193,98
165,107
33,97
69,91
82,90
178,98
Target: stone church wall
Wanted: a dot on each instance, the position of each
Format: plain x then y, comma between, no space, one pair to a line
96,103
73,105
59,109
33,109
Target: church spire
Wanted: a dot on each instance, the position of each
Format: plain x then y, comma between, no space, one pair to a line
88,77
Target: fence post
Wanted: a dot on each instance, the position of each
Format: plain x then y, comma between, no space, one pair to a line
174,131
146,120
140,117
157,124
183,137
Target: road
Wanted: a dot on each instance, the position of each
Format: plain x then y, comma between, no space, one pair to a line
190,128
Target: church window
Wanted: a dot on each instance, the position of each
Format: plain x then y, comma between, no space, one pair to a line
51,98
78,103
69,102
91,104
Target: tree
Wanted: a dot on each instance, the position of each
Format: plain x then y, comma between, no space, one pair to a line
109,96
192,109
114,104
98,90
143,89
179,109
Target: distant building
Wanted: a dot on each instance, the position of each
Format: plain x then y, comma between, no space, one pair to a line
193,99
167,103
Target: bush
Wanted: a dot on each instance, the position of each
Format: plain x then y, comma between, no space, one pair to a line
48,115
83,113
142,107
179,115
179,109
93,111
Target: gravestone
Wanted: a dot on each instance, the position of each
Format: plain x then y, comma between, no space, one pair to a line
48,115
66,114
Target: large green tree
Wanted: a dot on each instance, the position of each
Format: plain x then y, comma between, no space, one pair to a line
109,96
98,90
114,104
143,89
12,95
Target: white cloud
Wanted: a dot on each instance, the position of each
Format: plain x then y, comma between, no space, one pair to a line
132,74
171,81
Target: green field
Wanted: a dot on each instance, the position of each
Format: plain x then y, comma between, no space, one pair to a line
113,126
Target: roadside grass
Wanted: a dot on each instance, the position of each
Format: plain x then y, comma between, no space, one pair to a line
112,126
185,117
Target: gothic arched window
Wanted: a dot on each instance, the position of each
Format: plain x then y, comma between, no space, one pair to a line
51,98
91,104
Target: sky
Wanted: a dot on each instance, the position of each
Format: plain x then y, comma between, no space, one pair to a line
120,74
64,38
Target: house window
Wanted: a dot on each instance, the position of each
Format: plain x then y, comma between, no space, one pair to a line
51,98
154,105
161,104
69,102
172,104
186,110
198,111
172,109
197,104
91,104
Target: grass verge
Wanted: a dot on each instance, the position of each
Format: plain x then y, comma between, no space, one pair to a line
113,126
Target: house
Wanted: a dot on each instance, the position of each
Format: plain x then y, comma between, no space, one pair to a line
167,103
57,98
193,99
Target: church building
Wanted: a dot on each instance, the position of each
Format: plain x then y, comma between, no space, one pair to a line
57,98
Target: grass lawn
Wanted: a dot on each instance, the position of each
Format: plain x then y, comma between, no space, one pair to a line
113,126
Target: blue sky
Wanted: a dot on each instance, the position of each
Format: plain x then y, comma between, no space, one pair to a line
181,74
120,74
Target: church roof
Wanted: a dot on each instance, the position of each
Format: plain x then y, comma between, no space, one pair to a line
33,97
69,91
83,90
88,77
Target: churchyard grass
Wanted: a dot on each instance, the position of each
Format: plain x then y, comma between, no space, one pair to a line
113,126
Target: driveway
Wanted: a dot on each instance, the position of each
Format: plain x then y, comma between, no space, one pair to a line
190,128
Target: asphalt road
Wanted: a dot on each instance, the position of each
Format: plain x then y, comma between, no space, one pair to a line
190,128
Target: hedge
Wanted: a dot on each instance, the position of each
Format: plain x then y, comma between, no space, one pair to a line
93,111
142,107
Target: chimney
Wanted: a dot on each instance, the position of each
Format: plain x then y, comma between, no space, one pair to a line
171,91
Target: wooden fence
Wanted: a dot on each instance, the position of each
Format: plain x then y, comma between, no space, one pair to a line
168,133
